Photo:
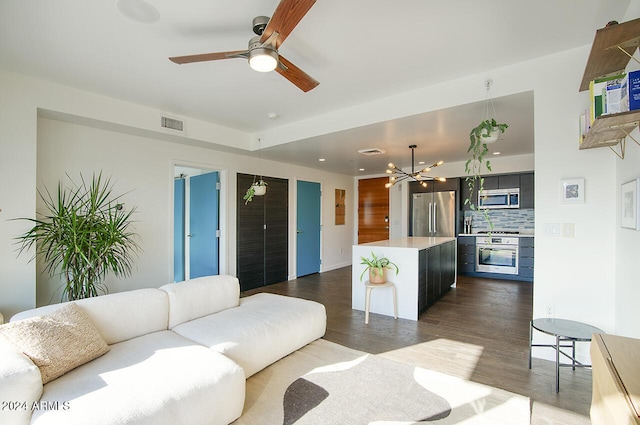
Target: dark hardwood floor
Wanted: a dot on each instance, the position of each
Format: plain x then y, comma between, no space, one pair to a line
478,331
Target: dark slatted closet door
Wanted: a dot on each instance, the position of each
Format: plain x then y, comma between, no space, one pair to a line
262,254
276,233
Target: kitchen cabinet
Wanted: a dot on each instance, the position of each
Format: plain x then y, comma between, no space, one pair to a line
504,181
466,254
610,53
262,221
525,260
527,190
439,262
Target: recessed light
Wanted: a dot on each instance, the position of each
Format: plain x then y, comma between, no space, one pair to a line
496,153
360,169
321,160
421,163
273,116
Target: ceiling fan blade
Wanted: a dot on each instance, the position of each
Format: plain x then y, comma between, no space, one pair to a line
203,57
285,18
297,76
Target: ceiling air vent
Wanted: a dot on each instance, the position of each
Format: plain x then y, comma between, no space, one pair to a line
371,151
172,123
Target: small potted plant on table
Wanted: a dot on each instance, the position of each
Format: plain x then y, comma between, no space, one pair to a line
377,267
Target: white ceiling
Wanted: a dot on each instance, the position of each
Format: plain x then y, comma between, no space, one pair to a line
359,50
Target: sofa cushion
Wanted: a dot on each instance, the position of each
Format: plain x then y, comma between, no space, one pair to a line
199,297
262,330
57,342
159,378
119,316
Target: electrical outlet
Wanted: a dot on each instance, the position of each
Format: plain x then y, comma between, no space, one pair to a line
550,310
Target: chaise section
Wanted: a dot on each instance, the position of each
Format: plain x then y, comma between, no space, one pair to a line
262,330
155,379
20,385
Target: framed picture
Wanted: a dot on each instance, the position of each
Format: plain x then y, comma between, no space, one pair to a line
573,191
340,206
630,205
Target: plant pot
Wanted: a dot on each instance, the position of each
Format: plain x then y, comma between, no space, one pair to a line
376,277
259,190
490,136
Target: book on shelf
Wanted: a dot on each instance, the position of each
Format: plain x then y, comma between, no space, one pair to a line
598,94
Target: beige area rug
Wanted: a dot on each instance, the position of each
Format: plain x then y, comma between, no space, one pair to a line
326,383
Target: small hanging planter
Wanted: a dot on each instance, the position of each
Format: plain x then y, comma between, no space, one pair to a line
490,135
257,188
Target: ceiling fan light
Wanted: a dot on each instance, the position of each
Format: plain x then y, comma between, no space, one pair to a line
262,59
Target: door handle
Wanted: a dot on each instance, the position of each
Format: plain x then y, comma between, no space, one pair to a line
435,218
430,220
191,235
298,231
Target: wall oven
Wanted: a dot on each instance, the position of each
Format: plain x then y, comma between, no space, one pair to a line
497,254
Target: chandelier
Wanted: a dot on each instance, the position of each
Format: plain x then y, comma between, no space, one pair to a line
398,175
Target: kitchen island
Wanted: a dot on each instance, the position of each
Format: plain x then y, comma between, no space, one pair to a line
427,270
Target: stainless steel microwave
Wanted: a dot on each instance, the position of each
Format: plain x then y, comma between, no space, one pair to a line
499,198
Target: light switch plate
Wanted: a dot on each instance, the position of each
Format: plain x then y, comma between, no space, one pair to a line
568,230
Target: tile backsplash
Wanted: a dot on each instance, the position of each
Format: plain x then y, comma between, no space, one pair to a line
507,219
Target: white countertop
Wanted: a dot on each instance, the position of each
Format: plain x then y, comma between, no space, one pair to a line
517,235
410,242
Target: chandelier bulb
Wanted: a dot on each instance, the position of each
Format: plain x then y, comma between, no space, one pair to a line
424,184
391,165
440,162
388,185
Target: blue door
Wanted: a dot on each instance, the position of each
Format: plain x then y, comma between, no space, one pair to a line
178,230
308,228
203,225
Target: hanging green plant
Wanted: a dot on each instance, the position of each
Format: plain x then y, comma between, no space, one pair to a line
257,188
487,131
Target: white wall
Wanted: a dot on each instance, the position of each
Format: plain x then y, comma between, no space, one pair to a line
143,163
144,166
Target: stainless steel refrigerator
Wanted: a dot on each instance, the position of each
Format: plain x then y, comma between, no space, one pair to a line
434,214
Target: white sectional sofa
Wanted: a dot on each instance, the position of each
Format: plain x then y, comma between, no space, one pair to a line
179,354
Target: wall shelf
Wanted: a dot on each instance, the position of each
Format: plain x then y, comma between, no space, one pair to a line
611,130
612,49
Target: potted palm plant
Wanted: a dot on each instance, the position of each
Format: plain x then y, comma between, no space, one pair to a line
84,234
377,267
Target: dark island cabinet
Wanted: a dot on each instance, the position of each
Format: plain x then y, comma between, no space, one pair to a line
437,273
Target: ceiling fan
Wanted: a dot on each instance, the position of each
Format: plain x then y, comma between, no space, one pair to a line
263,52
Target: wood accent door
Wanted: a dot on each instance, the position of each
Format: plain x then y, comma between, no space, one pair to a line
262,242
373,210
